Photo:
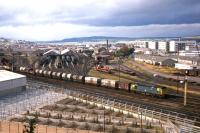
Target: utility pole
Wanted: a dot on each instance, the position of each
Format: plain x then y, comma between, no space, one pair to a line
141,122
12,67
177,91
185,89
119,67
104,120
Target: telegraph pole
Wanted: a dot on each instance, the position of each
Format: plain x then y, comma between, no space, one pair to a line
12,67
119,67
141,122
185,89
177,85
104,126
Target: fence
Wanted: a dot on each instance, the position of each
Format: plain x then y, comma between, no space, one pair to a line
27,100
35,98
180,124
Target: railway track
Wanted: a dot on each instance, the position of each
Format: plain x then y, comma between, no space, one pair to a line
142,101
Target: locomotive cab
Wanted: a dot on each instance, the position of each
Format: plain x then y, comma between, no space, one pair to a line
162,91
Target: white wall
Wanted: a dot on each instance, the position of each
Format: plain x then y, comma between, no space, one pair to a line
162,45
152,45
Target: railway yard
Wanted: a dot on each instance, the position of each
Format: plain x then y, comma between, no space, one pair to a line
172,103
127,99
101,109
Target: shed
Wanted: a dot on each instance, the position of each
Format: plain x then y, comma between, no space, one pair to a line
11,82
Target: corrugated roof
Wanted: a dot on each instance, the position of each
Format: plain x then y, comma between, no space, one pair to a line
64,51
52,52
7,75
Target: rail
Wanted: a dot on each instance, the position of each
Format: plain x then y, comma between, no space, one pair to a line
182,123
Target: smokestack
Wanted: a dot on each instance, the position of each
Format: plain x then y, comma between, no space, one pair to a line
107,44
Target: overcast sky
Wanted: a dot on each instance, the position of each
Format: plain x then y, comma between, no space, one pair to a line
58,19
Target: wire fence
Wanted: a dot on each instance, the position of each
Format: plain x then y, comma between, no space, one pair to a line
171,122
30,99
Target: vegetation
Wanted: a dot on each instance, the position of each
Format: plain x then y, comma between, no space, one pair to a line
30,128
124,51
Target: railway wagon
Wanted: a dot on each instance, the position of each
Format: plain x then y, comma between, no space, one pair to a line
47,73
109,83
37,71
40,72
56,75
22,69
59,75
78,78
194,72
69,76
26,70
31,71
124,86
64,76
93,80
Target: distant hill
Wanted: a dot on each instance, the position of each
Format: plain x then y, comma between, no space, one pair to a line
196,38
91,39
104,38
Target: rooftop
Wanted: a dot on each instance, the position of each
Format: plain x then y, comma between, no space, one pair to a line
7,75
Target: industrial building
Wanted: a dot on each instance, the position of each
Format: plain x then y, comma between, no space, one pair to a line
156,60
11,82
166,46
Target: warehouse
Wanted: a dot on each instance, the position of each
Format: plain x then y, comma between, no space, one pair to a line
11,82
156,60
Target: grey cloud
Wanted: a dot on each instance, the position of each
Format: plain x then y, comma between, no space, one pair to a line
123,13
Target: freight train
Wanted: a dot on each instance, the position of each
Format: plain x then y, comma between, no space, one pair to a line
157,91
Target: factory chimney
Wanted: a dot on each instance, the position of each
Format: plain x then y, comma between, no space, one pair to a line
107,45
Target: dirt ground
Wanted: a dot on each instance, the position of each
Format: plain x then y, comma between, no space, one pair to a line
17,127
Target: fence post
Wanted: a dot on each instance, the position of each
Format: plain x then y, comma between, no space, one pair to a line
9,126
0,126
18,126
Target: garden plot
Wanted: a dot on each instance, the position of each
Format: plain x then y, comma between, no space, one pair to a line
69,113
